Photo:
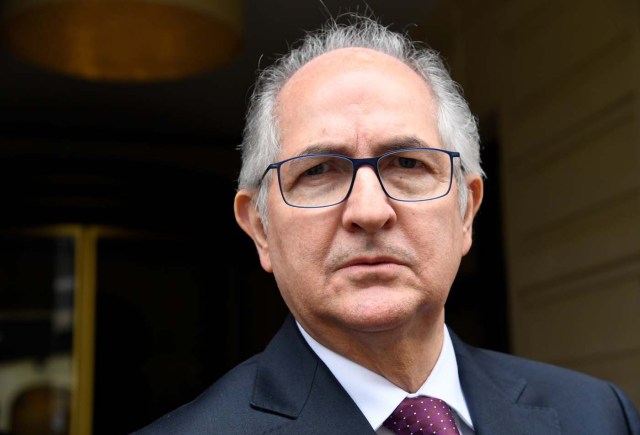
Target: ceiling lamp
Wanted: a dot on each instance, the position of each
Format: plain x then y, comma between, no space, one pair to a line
124,40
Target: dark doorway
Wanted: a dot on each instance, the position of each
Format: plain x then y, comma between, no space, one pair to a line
477,307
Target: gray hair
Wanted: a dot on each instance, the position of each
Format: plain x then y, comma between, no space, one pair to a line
456,124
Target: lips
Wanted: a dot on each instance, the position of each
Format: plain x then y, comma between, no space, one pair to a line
369,257
369,261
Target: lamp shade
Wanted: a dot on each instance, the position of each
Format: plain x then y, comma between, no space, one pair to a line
124,40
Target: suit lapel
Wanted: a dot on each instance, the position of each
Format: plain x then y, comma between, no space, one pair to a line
293,382
492,393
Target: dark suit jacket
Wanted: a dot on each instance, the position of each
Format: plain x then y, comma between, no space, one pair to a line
287,389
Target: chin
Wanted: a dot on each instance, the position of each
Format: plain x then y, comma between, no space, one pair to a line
386,312
379,317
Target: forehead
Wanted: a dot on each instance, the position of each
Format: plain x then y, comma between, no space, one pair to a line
344,60
355,96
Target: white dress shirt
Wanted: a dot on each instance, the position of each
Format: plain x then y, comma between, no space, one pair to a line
377,397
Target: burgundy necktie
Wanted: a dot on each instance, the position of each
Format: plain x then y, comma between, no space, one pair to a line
420,416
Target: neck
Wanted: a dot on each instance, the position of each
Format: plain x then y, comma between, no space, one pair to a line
404,355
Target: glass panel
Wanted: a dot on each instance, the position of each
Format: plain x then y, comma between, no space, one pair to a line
37,287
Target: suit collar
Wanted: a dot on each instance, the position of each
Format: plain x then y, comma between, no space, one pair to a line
291,381
291,377
285,373
493,393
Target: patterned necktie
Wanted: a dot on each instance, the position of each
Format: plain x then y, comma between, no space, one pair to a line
422,415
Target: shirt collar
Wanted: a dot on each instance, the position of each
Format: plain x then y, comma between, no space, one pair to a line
377,397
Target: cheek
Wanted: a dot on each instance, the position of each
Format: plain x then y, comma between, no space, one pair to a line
298,249
439,241
299,243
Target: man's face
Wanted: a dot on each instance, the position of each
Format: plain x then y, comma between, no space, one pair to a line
370,263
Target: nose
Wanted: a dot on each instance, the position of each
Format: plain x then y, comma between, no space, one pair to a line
368,208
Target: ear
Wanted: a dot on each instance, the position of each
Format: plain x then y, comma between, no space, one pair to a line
249,220
475,190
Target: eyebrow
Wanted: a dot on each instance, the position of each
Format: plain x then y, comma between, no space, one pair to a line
392,144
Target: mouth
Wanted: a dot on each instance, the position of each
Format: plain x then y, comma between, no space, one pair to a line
370,262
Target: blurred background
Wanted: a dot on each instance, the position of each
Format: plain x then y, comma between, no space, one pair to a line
126,287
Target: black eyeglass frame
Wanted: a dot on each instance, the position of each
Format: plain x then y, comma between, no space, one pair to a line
357,163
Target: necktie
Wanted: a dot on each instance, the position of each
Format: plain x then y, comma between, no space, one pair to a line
422,415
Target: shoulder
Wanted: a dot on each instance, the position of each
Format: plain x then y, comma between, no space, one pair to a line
541,373
214,410
541,376
261,395
507,368
578,398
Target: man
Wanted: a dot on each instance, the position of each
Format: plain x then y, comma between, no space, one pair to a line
360,181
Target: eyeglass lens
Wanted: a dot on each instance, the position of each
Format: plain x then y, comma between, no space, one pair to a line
408,175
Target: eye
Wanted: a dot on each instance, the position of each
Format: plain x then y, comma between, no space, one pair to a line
405,162
316,170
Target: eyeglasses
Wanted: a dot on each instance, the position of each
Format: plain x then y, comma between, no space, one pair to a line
323,180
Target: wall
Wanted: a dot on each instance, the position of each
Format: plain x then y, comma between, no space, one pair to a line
559,79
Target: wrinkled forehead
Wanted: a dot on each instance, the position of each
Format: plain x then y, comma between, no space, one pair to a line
357,96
